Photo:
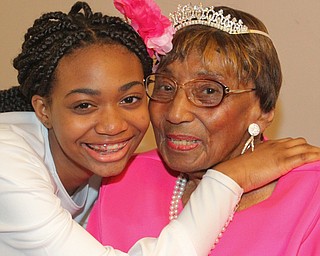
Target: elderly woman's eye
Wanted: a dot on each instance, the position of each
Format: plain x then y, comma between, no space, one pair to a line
209,90
163,89
167,87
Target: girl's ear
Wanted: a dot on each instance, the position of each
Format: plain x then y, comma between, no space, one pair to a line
42,110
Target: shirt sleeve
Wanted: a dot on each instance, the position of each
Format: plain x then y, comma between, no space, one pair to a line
210,208
33,222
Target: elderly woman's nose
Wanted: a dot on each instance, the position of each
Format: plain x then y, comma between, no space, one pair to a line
180,107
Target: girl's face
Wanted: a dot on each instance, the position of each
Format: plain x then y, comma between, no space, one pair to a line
98,112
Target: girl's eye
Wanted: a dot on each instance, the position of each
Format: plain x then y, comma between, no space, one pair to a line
83,106
131,100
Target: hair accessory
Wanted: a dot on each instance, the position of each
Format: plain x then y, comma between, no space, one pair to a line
154,28
196,14
253,130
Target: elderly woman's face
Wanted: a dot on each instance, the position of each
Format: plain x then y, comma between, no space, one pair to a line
192,138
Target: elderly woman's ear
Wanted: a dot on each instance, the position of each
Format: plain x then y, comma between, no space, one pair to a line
265,120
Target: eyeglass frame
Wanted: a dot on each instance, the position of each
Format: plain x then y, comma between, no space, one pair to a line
225,89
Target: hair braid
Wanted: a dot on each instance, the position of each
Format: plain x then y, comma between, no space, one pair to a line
13,100
57,34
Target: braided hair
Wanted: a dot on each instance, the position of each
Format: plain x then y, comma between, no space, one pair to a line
56,34
13,100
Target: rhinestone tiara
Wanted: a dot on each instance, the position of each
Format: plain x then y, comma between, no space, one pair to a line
197,15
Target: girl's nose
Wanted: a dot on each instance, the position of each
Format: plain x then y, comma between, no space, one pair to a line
111,122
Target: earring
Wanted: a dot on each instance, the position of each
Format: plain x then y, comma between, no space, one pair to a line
253,130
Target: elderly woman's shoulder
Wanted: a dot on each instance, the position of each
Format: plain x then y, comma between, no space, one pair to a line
310,167
305,179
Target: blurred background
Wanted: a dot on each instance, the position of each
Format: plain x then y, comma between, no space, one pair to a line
293,25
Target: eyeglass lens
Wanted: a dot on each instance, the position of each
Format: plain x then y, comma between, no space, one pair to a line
200,92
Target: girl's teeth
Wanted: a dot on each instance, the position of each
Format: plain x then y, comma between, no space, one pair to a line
107,147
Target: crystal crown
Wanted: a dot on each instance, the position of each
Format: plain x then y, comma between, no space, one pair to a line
196,14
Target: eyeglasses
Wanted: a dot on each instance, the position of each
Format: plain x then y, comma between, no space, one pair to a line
201,92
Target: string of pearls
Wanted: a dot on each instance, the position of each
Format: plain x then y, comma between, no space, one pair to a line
177,194
178,191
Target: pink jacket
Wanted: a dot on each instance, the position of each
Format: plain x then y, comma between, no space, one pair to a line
286,224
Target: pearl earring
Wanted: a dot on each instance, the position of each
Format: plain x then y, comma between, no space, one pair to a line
253,130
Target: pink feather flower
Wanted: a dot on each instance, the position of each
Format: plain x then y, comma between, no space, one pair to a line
146,18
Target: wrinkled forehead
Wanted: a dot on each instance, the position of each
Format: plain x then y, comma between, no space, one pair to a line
210,46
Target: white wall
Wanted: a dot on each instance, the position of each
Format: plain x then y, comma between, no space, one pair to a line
293,25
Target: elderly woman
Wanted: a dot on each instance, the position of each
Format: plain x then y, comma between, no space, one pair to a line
212,98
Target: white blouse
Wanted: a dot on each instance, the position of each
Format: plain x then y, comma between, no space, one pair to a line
38,217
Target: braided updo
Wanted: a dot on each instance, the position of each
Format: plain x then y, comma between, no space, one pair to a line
56,34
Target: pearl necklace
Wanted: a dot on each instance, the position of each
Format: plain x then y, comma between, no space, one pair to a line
177,194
